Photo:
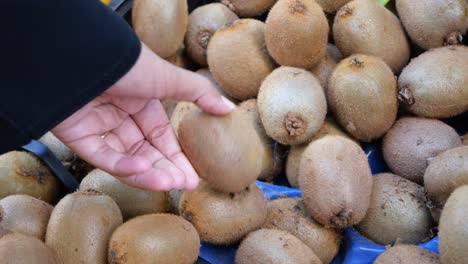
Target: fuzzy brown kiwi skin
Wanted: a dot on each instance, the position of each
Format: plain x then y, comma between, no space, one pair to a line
354,32
325,67
20,248
445,173
274,247
407,254
453,235
224,150
204,21
238,59
154,238
25,214
251,8
24,173
331,6
432,23
80,227
205,72
397,212
465,139
412,141
300,21
434,83
362,94
181,109
329,166
289,214
223,218
161,24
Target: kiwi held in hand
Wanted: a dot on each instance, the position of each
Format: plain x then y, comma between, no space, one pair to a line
397,212
434,84
154,238
336,181
296,33
407,254
292,105
365,26
204,21
362,94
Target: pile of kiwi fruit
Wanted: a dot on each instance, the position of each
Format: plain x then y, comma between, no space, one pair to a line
314,82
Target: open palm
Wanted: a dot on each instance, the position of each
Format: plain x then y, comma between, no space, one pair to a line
126,132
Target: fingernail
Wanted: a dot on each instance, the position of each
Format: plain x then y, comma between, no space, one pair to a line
228,103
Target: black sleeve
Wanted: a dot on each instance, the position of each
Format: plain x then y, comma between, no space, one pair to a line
56,56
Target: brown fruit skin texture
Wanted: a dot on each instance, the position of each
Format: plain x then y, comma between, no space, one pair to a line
364,26
22,249
407,254
296,33
397,212
226,151
336,181
445,173
274,247
434,84
206,73
412,141
24,214
181,109
292,105
453,234
329,127
154,238
434,23
161,24
238,59
223,218
465,139
204,21
131,201
174,199
289,214
169,106
24,173
80,227
331,6
362,94
325,67
249,8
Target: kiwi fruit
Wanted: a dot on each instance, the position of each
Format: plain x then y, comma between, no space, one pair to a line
336,181
181,109
292,105
465,139
434,23
161,24
206,73
289,214
131,201
412,141
169,106
60,150
154,238
434,83
325,67
453,234
331,6
80,227
226,151
362,94
445,173
272,160
274,247
180,59
22,249
296,33
397,212
25,214
249,8
365,26
237,58
23,173
407,254
174,199
329,127
203,22
223,218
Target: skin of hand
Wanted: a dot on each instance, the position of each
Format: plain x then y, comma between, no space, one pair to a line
126,132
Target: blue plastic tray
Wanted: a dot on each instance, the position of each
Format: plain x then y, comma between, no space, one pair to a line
355,249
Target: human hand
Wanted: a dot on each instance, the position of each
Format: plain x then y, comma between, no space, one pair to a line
126,132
